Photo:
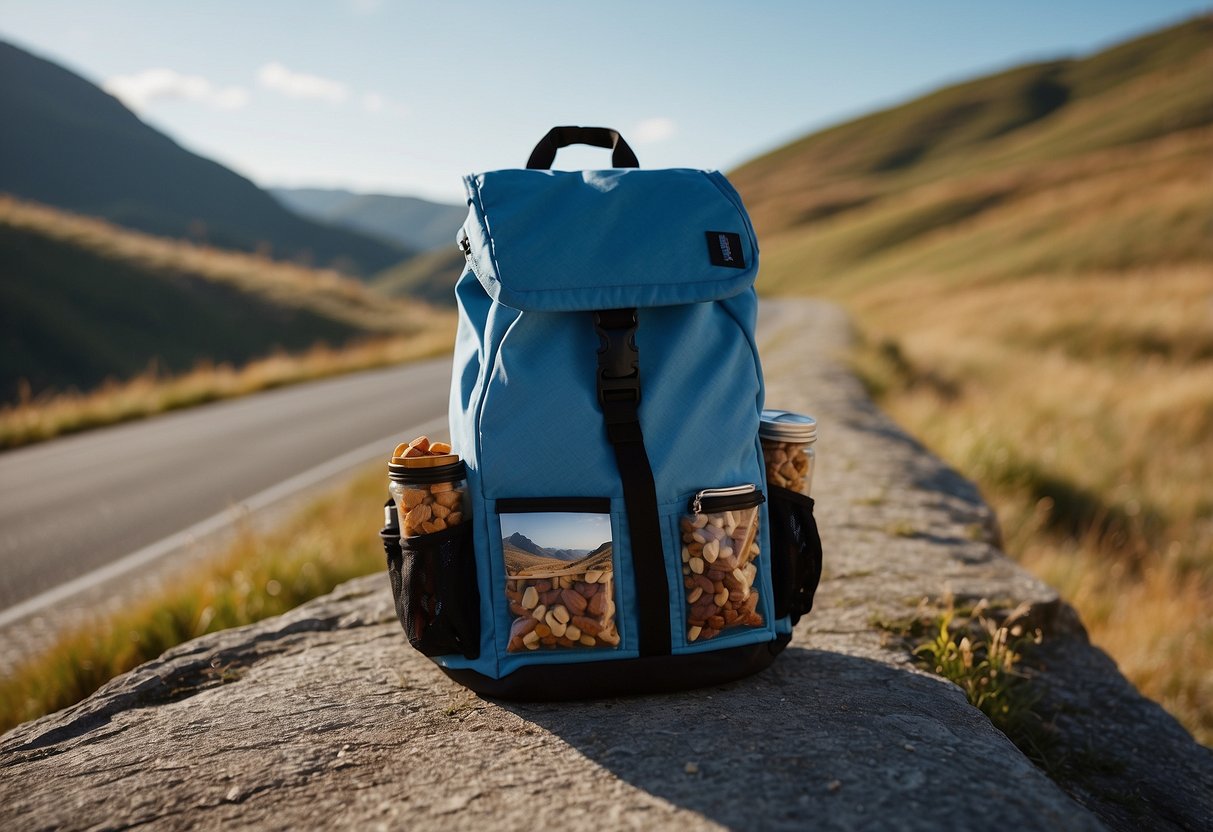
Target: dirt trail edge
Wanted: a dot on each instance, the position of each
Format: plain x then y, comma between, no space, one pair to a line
325,717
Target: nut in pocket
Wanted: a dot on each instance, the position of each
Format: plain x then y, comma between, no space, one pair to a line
574,610
720,544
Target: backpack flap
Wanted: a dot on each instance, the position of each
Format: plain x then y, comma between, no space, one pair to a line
564,241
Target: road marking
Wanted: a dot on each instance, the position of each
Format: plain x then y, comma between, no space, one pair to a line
257,502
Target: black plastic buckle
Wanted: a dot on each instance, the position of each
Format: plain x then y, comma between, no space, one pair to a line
618,359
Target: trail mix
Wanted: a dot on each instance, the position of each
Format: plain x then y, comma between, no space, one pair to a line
718,552
575,610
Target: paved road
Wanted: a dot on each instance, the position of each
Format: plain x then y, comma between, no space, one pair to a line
124,494
78,511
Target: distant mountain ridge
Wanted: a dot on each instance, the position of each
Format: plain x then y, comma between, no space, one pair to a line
522,543
524,563
417,224
69,144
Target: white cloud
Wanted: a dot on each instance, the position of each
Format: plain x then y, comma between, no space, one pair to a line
138,91
652,131
373,102
274,76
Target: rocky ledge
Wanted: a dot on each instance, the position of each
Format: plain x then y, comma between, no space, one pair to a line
324,717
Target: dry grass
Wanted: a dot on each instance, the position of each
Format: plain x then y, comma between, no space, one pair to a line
260,575
1083,406
1110,210
1036,291
46,417
385,330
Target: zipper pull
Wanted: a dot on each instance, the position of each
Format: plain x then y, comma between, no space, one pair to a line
731,491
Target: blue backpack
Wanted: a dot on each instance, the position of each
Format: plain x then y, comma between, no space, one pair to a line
605,401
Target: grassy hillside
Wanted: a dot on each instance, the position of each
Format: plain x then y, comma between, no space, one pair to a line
68,143
429,277
525,564
1029,257
861,201
1152,87
82,301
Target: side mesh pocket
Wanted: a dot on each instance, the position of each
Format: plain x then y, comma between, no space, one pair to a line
433,579
795,552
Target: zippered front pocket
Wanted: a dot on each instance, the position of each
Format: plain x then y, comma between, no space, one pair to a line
559,568
720,543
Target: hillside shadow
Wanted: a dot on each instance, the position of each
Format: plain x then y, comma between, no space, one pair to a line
815,732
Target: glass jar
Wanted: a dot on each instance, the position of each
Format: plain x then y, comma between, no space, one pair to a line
788,441
430,493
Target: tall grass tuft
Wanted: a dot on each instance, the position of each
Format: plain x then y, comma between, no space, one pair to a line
981,655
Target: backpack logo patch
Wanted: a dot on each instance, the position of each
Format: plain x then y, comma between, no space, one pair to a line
724,249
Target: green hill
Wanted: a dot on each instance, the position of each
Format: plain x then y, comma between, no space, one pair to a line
82,301
69,144
429,277
952,183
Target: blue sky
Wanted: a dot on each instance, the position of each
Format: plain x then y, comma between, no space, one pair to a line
405,97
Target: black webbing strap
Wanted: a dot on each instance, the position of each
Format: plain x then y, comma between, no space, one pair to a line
619,395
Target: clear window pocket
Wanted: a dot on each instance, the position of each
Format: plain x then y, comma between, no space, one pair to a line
559,564
720,544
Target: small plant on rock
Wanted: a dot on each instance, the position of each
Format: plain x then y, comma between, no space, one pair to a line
982,655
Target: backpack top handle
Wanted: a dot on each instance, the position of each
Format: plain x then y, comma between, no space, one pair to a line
545,152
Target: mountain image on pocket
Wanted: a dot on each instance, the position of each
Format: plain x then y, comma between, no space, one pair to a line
556,543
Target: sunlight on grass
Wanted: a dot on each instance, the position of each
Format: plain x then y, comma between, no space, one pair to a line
1078,405
368,329
1030,258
